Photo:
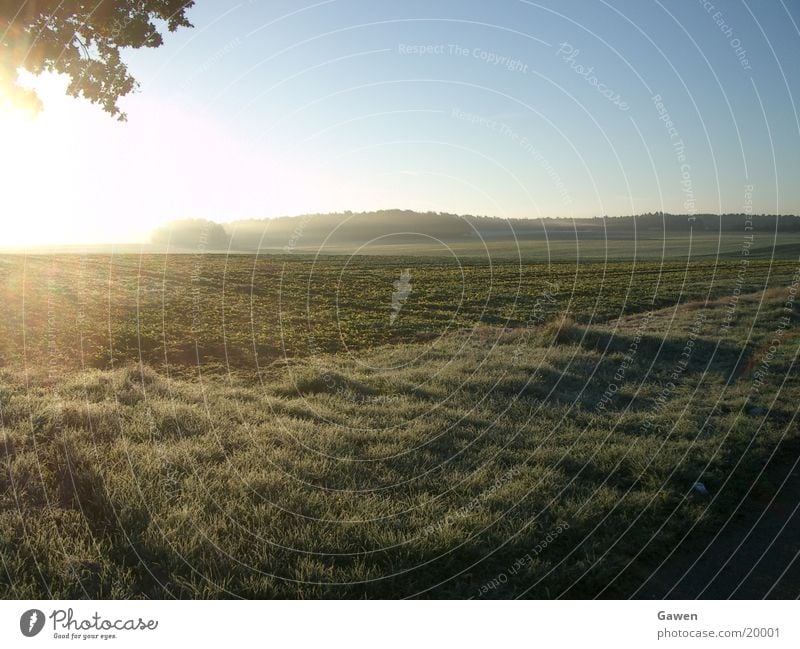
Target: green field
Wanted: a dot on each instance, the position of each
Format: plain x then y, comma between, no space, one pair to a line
244,312
574,247
287,425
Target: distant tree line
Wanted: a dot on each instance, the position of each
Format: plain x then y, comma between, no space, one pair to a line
192,234
406,226
703,222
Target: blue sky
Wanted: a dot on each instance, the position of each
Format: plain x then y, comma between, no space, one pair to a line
507,108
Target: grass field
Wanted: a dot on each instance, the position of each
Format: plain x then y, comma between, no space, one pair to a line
575,247
382,426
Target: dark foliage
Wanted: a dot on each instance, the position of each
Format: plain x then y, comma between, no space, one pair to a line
82,40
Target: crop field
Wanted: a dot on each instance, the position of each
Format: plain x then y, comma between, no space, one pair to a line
383,426
244,312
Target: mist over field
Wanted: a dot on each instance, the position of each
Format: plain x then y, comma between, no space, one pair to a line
406,231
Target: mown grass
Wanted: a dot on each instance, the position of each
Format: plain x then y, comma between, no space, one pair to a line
475,464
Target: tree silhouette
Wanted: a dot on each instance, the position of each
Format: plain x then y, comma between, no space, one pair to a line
200,235
81,39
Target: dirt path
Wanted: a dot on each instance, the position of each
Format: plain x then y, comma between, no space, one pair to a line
756,555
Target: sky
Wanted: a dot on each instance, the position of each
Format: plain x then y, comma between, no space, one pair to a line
507,108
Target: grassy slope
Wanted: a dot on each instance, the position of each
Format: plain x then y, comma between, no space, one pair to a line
478,466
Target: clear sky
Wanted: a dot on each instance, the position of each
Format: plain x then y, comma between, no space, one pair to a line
503,107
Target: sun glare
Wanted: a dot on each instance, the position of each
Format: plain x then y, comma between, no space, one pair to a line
26,181
16,127
39,170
